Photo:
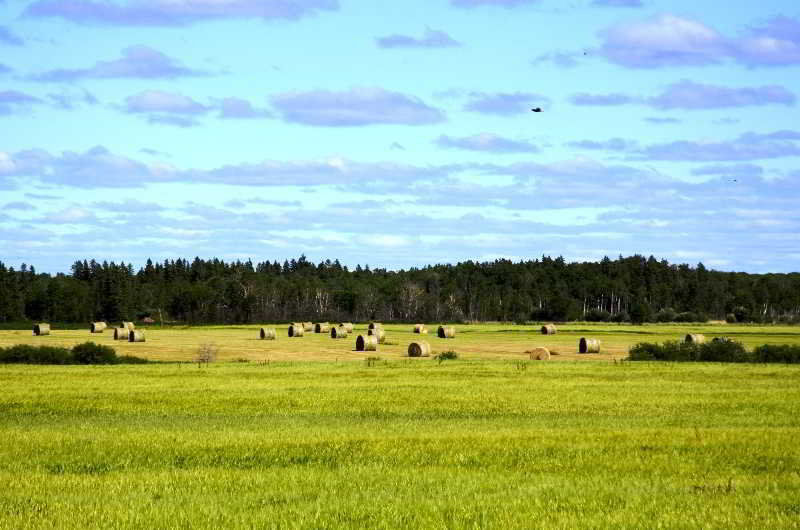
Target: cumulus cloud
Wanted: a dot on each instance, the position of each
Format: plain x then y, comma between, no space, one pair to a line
669,40
139,62
665,40
355,107
468,4
503,104
9,38
486,142
174,12
432,39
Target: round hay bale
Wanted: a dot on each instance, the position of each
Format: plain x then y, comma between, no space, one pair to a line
378,332
588,346
136,336
121,333
347,326
420,329
368,343
308,326
268,334
339,332
97,327
41,329
322,327
130,326
540,354
549,329
694,338
373,325
296,329
446,332
419,349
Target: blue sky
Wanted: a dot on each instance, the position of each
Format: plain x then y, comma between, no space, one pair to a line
400,133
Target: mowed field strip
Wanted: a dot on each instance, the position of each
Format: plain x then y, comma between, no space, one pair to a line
476,341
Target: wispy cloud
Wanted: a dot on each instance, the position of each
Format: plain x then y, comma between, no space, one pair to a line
174,12
617,3
9,38
486,142
503,104
433,38
495,3
355,107
689,95
138,62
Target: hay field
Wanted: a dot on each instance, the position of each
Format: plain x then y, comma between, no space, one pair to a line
478,341
400,444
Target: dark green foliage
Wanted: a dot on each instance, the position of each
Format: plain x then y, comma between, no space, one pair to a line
777,353
86,353
448,355
723,351
634,288
729,351
28,354
91,353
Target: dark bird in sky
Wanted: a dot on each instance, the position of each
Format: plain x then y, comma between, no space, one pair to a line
537,109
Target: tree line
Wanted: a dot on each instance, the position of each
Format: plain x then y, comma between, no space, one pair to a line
634,288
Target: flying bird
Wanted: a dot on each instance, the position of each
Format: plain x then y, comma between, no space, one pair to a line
537,109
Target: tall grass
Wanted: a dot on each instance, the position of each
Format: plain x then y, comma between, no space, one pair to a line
400,444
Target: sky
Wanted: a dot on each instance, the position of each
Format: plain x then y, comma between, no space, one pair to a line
400,133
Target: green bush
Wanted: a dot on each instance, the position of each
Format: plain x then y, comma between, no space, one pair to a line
91,353
721,351
27,354
447,356
777,353
87,353
131,359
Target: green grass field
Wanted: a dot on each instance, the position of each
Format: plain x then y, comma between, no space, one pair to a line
492,440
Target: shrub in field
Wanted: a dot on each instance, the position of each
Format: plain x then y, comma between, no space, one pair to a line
86,353
730,318
777,353
91,353
448,355
669,351
131,359
728,351
27,354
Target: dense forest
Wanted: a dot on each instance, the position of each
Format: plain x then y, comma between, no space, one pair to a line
635,288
